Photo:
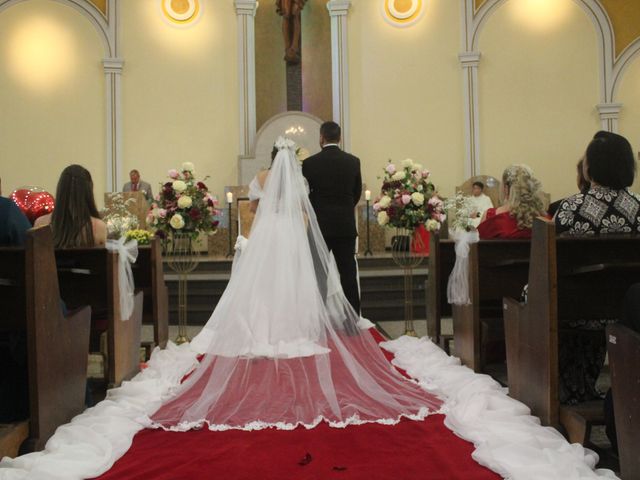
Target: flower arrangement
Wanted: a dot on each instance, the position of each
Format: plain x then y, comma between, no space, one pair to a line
462,208
302,154
184,205
408,198
118,218
143,237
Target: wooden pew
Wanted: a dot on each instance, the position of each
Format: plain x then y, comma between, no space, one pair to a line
90,275
572,278
624,357
148,275
56,344
496,268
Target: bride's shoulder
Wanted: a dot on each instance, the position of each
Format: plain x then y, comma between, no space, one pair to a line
261,177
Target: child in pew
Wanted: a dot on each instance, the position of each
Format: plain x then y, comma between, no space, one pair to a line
75,220
523,203
631,319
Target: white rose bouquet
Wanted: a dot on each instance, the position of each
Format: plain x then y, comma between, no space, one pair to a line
407,199
183,205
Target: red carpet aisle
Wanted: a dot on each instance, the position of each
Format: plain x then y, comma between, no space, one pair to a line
409,450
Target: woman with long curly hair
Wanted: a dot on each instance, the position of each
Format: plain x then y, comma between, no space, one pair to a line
75,221
522,204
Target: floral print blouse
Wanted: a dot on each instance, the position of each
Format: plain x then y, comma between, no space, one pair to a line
600,210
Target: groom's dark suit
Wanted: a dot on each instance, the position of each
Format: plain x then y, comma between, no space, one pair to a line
335,185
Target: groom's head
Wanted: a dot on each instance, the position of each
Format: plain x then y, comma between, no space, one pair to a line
330,133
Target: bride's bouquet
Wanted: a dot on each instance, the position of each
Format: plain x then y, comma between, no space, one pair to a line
408,198
184,205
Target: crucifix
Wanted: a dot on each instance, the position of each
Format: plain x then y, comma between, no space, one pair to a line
291,12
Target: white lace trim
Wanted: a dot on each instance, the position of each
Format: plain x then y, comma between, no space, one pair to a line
507,438
355,419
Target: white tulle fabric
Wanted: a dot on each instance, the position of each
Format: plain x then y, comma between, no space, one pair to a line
127,254
283,347
458,285
507,438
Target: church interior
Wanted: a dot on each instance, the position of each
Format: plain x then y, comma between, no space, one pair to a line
521,314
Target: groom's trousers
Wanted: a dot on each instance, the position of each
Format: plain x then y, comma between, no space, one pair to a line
344,251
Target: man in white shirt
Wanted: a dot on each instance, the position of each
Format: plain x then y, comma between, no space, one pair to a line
480,203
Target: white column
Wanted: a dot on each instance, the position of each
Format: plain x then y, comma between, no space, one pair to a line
470,62
609,115
246,13
338,10
113,75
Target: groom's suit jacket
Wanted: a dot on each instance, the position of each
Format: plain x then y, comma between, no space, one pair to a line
335,185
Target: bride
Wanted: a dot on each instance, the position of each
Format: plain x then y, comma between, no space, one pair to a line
283,347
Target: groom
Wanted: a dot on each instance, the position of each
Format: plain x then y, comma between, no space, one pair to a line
335,185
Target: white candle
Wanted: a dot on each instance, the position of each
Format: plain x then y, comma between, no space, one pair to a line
229,197
367,195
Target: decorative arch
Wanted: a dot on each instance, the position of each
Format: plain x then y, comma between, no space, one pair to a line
107,29
622,63
474,19
91,13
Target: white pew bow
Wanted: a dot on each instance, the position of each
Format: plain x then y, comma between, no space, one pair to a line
127,254
458,286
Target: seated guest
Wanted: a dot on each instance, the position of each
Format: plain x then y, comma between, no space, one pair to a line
137,185
523,204
608,206
583,187
75,220
13,224
14,390
479,203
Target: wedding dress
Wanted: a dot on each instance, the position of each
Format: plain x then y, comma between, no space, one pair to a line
282,347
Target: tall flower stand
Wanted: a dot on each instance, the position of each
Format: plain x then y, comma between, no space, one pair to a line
408,253
182,259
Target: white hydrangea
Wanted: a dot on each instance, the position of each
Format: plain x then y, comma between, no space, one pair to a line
177,221
188,167
408,163
185,201
385,201
383,218
417,198
399,175
179,186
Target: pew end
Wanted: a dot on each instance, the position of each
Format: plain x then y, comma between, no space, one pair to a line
623,345
512,313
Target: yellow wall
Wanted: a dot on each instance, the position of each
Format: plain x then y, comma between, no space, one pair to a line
180,93
629,95
51,96
406,91
538,91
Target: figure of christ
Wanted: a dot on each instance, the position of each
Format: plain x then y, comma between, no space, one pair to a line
291,12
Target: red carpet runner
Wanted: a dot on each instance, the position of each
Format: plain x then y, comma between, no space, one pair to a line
407,451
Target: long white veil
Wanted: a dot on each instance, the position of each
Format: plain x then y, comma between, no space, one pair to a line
282,347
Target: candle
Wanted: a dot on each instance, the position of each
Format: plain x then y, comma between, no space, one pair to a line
229,197
367,195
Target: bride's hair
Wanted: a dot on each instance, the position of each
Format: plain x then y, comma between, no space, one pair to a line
523,192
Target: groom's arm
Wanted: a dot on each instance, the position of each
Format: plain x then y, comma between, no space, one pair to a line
357,188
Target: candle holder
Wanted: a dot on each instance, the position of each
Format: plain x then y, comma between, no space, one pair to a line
368,251
230,252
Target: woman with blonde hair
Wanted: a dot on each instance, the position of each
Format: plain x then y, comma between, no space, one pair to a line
522,204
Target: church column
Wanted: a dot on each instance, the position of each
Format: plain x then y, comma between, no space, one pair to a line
338,10
246,12
609,116
470,62
113,75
